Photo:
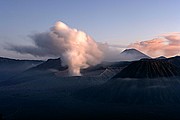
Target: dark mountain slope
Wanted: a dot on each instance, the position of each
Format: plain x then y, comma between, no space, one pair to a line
149,68
175,61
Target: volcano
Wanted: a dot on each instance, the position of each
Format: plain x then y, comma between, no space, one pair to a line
149,68
50,64
132,54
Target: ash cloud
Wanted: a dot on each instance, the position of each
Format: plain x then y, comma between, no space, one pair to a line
167,45
77,49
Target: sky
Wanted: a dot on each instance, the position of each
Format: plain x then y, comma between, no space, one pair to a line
116,22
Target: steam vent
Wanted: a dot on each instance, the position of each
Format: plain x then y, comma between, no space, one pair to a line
149,68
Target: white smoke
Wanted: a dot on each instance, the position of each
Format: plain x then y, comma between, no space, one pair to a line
76,48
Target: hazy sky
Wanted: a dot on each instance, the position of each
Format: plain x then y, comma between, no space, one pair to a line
113,21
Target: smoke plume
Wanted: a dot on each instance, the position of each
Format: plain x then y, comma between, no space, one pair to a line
167,45
76,48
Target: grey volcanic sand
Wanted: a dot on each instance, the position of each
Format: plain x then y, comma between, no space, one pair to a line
53,97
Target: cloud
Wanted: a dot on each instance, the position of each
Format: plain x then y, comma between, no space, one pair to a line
167,45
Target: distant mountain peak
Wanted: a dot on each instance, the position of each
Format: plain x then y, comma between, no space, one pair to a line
131,50
133,54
